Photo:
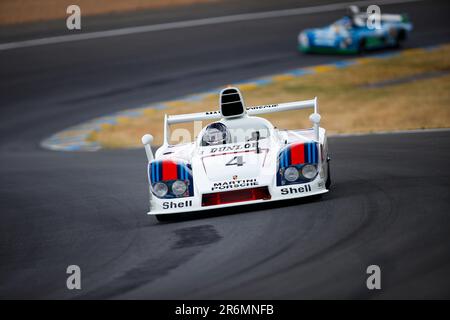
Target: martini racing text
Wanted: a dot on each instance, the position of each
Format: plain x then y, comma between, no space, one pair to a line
241,183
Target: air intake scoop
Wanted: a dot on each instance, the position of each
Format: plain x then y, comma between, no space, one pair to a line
231,103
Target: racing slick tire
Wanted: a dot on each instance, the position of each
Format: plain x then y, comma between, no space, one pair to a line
328,182
163,217
401,36
362,46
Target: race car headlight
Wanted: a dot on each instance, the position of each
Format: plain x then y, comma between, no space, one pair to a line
179,187
291,174
160,189
309,171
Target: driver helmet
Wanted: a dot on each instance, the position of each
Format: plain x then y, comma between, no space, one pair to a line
347,22
216,133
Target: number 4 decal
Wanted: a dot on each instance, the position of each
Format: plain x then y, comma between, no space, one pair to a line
236,161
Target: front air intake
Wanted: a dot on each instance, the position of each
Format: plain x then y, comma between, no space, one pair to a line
260,193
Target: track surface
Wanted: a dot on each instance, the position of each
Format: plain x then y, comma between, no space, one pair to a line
389,204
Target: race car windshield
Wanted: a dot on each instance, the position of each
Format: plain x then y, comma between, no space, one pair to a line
345,22
349,22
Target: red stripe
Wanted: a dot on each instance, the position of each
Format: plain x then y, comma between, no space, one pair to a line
298,154
169,170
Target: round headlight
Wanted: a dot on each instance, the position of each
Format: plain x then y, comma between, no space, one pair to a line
309,171
179,188
160,189
291,174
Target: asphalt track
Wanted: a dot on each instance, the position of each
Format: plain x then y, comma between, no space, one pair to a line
389,204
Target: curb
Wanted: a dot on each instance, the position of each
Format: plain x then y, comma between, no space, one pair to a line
76,138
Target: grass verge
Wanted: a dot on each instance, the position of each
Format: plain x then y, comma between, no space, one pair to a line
348,101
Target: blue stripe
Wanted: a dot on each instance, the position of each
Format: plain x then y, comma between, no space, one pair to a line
316,147
157,171
153,172
314,152
186,173
307,152
148,172
286,157
313,147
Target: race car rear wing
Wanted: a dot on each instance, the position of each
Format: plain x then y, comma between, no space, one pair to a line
262,109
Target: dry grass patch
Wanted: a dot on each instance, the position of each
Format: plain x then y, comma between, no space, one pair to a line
21,11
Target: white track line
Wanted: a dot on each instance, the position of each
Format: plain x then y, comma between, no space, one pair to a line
193,23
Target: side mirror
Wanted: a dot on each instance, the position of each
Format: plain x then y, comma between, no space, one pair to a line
147,140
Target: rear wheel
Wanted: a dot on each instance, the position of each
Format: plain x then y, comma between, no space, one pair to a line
328,182
362,46
401,36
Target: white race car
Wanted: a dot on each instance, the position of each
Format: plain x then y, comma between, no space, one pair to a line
239,159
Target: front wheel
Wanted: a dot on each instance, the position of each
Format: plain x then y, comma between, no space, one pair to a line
163,217
401,36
